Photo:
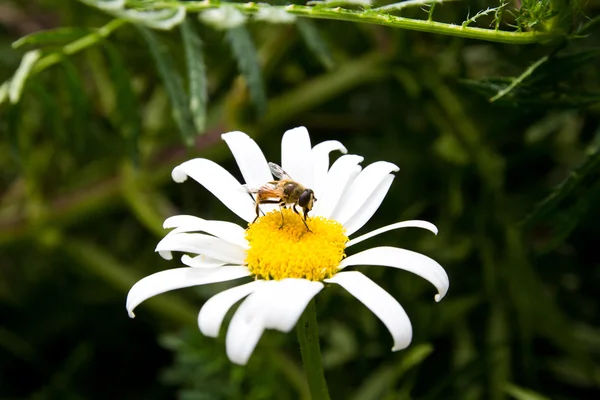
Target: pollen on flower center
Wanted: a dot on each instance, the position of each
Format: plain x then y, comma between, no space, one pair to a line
292,251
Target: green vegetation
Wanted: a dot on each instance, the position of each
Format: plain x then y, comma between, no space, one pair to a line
491,110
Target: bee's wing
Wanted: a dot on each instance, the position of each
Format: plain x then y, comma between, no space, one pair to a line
278,172
250,189
270,192
253,189
267,190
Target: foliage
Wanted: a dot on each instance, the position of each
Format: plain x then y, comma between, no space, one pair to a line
102,98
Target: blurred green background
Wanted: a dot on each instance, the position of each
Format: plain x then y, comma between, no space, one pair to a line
513,186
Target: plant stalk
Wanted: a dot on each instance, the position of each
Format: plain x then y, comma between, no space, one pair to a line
372,17
308,336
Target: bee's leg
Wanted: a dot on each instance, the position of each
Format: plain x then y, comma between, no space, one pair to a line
256,204
258,210
281,207
304,219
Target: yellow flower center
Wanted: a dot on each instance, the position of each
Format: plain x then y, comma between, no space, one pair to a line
292,251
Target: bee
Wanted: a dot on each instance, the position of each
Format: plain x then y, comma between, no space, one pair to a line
285,192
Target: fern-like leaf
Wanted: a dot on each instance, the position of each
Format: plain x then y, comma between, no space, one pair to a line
314,41
52,112
18,80
173,84
56,36
577,185
196,74
247,59
78,99
128,115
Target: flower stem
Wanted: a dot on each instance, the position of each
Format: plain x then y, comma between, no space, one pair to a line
371,16
308,336
79,45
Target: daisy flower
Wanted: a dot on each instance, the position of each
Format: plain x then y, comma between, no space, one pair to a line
288,265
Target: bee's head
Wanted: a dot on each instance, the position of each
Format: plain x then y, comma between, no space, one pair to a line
306,200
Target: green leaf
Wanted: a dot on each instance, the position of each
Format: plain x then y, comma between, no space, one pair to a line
21,74
248,64
52,112
383,379
127,114
48,37
196,74
518,80
576,185
173,84
314,41
97,69
525,95
80,109
564,222
523,394
4,91
563,66
538,85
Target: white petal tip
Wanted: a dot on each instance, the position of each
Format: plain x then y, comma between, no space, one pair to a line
225,136
238,359
438,298
167,255
343,150
297,130
403,344
131,314
178,175
170,223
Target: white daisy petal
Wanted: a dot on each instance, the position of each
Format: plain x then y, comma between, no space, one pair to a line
288,301
380,302
199,243
220,183
249,157
320,155
214,310
201,261
178,220
227,231
404,259
242,338
364,214
404,224
178,278
338,177
296,157
173,222
361,189
248,324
